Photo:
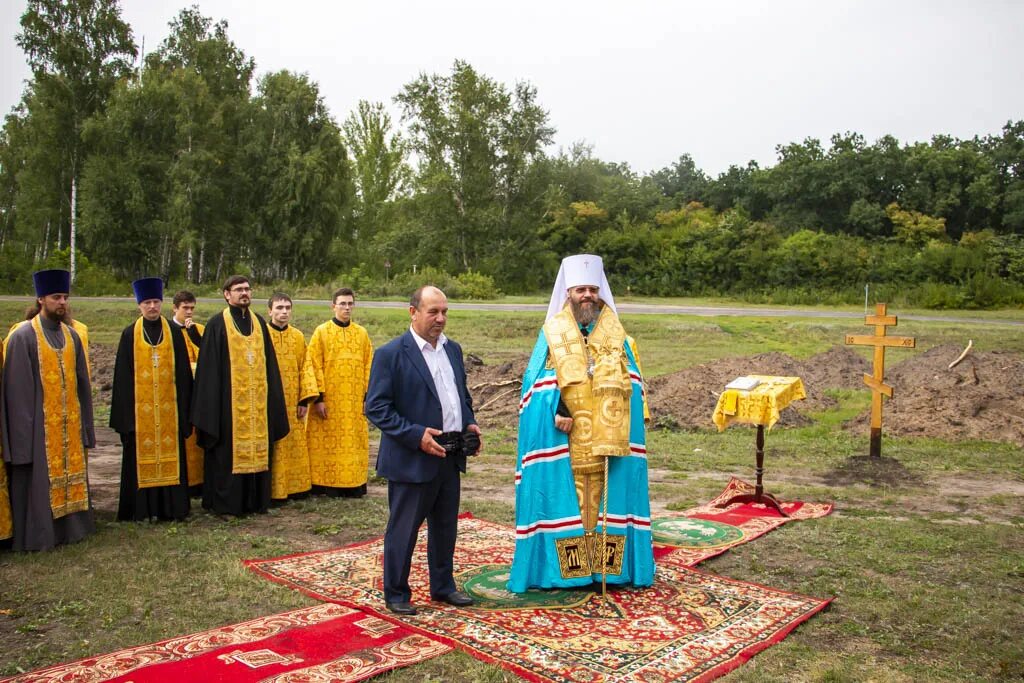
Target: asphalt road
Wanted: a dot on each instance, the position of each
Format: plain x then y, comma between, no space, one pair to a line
642,309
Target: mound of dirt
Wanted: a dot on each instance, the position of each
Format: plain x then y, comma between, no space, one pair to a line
101,366
982,397
496,390
686,399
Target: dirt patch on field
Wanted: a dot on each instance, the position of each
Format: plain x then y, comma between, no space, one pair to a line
982,397
101,367
496,390
881,471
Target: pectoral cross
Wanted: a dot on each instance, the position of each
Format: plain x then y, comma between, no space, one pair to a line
156,359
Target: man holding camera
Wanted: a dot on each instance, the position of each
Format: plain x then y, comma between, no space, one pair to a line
418,399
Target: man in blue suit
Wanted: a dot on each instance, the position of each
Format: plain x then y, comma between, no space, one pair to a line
418,399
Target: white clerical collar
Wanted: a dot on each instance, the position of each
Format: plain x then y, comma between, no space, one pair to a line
421,342
175,321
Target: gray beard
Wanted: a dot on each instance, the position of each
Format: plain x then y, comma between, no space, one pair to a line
585,316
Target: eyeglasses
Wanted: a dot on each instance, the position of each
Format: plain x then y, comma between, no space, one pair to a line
240,290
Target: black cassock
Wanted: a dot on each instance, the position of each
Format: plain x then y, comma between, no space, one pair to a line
224,492
163,502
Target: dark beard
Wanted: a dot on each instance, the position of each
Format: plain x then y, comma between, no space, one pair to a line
585,316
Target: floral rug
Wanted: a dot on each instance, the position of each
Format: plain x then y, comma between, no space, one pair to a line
688,626
326,642
694,535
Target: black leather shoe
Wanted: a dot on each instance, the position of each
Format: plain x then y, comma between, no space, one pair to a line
457,598
403,608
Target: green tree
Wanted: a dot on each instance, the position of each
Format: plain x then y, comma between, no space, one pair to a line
171,192
210,190
300,179
475,141
1007,154
914,228
682,181
77,50
378,157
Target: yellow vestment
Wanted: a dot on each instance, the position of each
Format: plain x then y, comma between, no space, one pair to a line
290,460
339,447
157,460
62,425
595,385
193,453
250,439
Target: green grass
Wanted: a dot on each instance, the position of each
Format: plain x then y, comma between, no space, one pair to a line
925,562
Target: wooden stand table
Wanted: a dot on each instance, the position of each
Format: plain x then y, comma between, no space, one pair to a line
758,406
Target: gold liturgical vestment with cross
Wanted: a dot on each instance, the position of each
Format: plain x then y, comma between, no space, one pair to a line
250,438
156,409
593,379
62,425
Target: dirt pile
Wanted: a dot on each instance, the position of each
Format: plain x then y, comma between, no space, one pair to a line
496,390
982,397
101,367
686,399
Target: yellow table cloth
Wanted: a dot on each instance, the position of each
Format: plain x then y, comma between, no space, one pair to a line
760,405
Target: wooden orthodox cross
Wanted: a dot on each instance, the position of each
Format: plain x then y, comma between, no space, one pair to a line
879,340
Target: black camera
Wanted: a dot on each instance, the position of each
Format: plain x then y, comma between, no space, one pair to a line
470,442
458,443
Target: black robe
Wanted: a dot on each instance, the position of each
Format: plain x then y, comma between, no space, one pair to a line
162,502
224,492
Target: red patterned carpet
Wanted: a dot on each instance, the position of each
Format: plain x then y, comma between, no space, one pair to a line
326,642
692,536
688,626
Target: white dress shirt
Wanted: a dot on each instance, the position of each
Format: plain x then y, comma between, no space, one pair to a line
441,371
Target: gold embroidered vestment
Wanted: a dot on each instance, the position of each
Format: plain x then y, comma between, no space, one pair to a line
156,409
593,379
250,433
62,424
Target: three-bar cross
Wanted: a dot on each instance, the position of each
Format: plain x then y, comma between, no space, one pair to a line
879,340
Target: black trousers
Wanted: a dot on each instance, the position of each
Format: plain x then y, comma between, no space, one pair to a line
437,502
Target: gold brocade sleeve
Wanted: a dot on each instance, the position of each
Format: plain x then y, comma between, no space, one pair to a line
307,380
314,365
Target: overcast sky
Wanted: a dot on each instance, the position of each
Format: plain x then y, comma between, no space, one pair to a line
644,82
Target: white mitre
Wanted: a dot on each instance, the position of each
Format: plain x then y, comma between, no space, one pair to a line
575,271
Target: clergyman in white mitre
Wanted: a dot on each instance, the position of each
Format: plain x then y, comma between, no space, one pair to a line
582,449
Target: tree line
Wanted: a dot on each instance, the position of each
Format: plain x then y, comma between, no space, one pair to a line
182,164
